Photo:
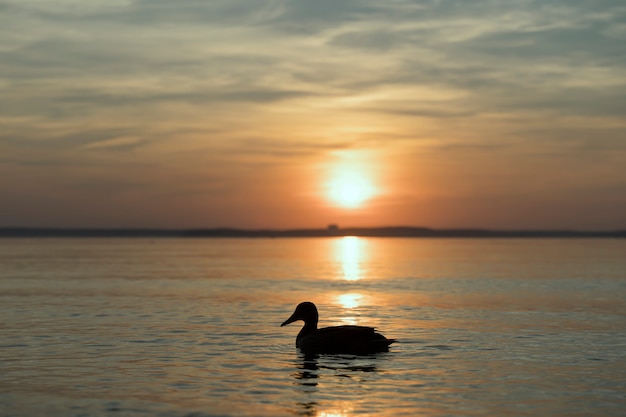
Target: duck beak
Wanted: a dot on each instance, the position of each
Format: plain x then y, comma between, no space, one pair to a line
290,320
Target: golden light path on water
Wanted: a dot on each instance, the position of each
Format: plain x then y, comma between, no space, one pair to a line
351,252
350,300
334,413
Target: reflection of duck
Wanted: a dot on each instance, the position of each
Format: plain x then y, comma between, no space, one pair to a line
308,373
337,339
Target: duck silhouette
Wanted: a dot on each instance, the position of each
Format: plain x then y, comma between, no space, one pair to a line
337,339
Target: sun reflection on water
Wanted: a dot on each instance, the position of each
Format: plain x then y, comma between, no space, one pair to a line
351,253
350,300
332,414
341,409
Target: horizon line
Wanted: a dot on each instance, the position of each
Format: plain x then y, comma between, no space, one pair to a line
331,230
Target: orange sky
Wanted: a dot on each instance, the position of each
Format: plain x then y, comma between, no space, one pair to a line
245,113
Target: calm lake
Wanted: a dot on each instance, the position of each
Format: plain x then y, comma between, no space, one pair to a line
190,327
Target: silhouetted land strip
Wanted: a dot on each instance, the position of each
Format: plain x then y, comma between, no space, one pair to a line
400,231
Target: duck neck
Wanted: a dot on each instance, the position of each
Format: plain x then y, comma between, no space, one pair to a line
309,326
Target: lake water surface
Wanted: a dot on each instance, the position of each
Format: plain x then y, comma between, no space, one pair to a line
190,327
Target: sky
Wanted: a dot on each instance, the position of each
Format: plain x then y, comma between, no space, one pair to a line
299,114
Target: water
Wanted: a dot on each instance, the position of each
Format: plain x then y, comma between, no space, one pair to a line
190,327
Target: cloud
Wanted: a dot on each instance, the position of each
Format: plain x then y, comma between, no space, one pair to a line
503,56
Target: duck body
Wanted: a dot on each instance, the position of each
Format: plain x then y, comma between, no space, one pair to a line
336,339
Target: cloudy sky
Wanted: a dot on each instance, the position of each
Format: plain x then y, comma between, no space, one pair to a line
262,113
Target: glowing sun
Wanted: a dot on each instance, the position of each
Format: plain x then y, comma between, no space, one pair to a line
350,190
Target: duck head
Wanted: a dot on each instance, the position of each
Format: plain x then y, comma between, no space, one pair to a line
306,312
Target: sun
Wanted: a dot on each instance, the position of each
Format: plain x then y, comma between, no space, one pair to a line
350,190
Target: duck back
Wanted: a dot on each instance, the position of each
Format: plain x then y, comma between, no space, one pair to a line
343,339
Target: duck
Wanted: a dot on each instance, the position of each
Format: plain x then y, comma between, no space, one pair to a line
346,339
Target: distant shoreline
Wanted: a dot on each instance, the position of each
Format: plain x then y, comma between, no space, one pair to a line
400,231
